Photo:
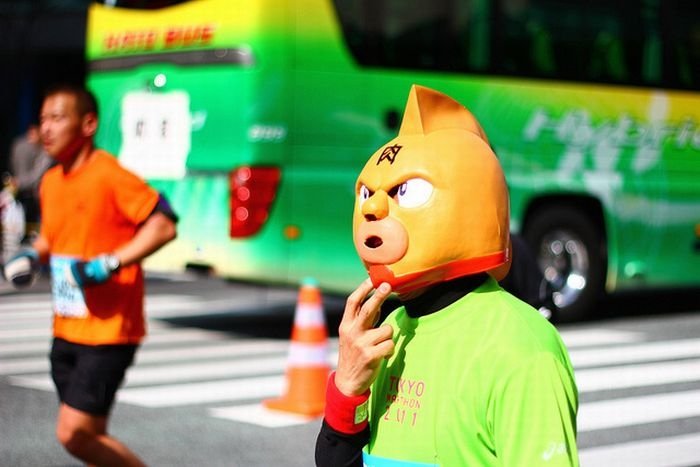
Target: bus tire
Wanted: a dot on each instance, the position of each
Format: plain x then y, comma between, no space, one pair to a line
570,251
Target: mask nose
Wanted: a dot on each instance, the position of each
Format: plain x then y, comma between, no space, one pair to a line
376,207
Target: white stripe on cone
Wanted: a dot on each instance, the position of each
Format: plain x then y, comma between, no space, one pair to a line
308,354
309,315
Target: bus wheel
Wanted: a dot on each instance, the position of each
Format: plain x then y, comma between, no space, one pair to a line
570,252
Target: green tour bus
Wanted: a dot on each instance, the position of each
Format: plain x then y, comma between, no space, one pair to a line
255,117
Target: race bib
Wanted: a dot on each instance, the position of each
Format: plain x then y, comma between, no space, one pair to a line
68,300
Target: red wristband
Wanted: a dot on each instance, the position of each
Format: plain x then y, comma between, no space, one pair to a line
346,414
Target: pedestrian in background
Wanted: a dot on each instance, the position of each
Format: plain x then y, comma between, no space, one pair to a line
98,222
463,373
12,221
28,162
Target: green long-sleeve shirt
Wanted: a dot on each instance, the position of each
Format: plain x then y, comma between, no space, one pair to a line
485,381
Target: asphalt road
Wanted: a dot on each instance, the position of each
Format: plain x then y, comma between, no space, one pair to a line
217,349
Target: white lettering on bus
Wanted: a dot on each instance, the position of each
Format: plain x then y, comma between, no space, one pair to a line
267,133
576,129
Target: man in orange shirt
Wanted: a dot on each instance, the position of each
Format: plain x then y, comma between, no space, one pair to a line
98,222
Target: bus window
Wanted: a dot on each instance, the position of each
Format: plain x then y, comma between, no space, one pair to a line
414,34
521,40
684,45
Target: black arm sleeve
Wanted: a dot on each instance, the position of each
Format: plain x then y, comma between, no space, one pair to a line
335,449
163,206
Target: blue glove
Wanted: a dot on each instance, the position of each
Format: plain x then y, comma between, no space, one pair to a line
95,271
23,268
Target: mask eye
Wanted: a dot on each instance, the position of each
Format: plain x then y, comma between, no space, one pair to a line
364,194
413,193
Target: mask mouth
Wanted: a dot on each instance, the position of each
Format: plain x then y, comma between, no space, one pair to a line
373,242
384,241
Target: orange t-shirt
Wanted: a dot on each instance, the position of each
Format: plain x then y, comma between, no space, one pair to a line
85,213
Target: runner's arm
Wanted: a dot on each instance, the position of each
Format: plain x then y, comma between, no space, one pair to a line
41,245
156,231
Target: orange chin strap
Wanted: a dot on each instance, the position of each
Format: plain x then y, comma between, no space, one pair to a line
415,280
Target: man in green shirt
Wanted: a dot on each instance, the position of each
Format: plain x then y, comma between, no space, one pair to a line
463,373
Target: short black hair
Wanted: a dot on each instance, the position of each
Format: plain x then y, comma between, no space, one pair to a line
85,100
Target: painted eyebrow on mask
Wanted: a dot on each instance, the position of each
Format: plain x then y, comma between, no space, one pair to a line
395,190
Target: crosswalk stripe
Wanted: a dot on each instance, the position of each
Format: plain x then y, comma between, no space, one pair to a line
647,352
19,334
148,355
44,302
31,309
40,343
20,366
41,332
617,413
598,336
259,415
43,323
202,393
42,382
178,336
160,306
663,452
27,321
40,308
193,307
145,375
230,349
178,373
619,377
25,347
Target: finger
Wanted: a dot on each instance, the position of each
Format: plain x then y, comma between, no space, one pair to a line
355,299
381,347
385,349
377,335
369,313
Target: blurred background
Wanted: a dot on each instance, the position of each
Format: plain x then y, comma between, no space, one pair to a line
41,42
264,113
246,114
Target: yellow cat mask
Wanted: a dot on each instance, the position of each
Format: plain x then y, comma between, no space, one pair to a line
432,204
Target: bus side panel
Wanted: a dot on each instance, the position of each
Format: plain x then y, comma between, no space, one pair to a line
632,150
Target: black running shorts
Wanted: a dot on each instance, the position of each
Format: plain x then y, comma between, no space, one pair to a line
87,377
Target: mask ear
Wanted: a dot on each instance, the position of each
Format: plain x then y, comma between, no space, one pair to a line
428,110
89,126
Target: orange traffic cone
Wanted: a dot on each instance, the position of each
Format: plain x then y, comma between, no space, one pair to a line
307,364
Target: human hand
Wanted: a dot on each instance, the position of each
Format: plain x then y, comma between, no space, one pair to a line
361,346
95,271
22,269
